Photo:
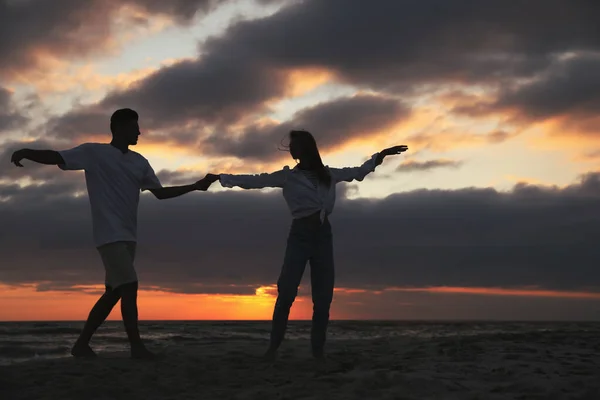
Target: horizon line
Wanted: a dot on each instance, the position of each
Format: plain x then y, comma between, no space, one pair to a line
430,320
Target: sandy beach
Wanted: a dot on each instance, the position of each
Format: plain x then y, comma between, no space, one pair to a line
544,365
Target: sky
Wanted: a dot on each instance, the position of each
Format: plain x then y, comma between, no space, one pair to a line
492,214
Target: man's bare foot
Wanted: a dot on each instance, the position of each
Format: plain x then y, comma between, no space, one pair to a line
142,353
270,355
82,351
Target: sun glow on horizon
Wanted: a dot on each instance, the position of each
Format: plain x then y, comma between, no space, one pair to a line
26,303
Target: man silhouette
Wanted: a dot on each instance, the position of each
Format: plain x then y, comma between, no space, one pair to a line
114,177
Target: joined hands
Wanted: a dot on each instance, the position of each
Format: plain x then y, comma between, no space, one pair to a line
204,183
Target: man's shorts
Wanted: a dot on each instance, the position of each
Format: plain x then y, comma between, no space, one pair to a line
118,260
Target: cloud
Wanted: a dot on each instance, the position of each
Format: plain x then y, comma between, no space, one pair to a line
416,166
569,87
9,116
532,236
79,123
33,30
563,95
71,78
187,94
332,123
500,136
241,74
425,41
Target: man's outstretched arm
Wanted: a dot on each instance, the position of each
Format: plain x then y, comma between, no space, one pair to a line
48,157
172,191
169,192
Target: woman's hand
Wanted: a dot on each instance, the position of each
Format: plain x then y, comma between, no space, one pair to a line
395,150
389,152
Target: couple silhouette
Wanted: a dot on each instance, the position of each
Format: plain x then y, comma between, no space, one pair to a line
115,176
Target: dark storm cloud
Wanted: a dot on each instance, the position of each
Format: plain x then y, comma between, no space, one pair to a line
430,40
220,94
9,116
220,90
332,123
72,28
569,87
416,166
241,72
81,122
532,236
40,192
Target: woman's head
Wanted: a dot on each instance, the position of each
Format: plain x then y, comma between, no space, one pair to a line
303,147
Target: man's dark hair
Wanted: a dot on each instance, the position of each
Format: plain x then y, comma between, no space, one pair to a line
120,116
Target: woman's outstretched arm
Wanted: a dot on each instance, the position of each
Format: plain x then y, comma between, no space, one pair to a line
350,174
258,181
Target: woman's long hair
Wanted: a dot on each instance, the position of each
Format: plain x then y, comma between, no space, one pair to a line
310,157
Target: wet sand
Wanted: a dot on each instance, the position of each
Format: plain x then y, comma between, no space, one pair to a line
541,365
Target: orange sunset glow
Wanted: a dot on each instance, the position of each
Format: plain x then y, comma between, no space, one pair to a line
27,304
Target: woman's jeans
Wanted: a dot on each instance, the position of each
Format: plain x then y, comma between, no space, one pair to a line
311,241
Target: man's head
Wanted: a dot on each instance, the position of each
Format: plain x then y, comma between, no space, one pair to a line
124,126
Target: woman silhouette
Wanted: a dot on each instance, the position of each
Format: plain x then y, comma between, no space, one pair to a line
309,190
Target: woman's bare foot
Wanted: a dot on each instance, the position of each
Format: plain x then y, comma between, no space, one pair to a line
318,354
80,350
270,355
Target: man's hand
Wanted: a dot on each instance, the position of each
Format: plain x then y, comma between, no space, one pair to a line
17,156
202,184
395,150
47,157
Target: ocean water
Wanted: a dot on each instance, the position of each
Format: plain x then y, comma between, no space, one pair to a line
30,341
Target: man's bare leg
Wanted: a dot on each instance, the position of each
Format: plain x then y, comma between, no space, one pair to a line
97,316
129,311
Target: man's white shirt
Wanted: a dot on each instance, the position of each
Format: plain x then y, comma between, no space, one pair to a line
114,180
